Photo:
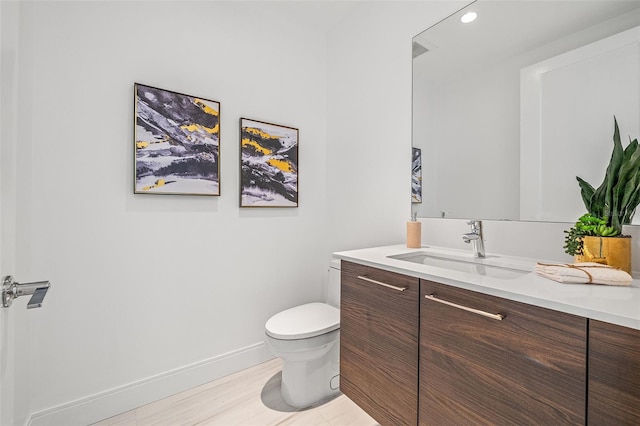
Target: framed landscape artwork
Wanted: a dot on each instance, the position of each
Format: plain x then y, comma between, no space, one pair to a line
269,164
416,175
177,143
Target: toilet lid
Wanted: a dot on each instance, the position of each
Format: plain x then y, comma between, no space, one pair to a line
310,320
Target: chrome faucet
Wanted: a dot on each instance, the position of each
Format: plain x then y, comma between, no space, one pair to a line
475,238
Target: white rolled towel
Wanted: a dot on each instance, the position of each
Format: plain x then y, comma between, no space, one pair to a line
583,273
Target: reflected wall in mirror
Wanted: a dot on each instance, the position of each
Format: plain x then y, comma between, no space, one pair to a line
510,108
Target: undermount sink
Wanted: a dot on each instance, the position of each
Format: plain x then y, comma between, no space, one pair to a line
491,265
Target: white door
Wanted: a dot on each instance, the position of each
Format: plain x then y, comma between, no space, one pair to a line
14,321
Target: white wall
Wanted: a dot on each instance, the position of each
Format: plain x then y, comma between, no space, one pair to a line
369,120
147,286
14,324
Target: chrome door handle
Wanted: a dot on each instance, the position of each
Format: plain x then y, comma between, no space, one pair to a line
12,290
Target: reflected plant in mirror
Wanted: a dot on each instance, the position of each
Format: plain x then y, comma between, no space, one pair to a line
509,108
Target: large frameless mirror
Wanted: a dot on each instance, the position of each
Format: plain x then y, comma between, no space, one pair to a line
508,109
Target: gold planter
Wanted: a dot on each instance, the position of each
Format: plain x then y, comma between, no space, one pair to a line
612,251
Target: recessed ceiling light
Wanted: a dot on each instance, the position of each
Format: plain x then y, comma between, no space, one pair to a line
468,17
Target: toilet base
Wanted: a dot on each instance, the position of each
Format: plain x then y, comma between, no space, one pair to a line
305,383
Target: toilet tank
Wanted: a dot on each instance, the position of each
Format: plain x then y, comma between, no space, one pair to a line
333,286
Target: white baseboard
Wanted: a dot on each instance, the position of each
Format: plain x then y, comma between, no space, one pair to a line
109,403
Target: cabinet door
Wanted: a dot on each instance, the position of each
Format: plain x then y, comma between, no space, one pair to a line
614,375
379,343
528,368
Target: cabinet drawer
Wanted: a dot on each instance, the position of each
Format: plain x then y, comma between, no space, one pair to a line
614,375
379,342
528,368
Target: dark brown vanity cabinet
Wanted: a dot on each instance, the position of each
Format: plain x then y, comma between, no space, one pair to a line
419,352
614,375
488,360
379,343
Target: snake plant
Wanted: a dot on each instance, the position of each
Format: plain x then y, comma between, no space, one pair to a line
616,199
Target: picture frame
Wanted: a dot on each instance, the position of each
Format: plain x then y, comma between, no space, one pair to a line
416,175
176,143
268,164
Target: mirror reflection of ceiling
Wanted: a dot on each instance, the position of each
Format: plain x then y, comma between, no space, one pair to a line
506,28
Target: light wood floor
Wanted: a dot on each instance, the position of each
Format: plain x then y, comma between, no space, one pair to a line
249,397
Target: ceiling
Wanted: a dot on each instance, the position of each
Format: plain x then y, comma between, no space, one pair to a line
319,14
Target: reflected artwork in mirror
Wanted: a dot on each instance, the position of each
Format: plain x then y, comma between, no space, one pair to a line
508,109
416,175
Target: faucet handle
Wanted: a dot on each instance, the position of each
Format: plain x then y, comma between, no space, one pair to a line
476,225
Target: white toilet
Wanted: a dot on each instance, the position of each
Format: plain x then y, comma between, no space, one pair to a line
306,338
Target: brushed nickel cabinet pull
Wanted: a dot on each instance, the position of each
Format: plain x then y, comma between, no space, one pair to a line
381,283
498,317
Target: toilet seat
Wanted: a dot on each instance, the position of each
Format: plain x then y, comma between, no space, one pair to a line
304,321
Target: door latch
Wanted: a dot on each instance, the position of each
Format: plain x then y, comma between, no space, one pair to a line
12,290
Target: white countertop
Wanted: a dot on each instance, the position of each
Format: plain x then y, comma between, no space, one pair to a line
613,304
